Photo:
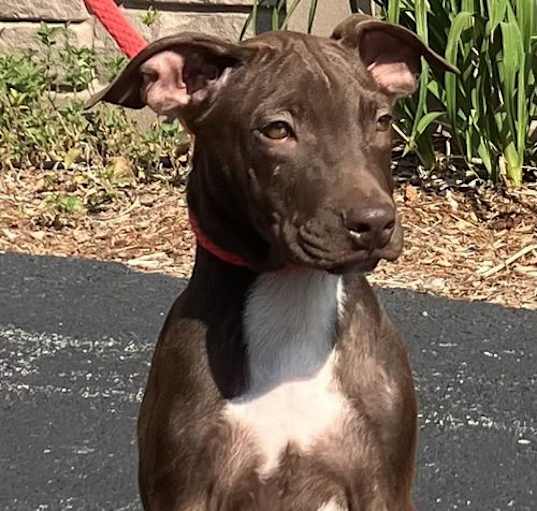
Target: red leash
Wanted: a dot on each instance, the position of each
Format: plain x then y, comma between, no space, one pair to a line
109,14
131,43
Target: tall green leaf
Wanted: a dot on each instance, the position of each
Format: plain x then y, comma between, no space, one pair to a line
513,56
496,10
290,10
463,21
250,21
311,14
394,10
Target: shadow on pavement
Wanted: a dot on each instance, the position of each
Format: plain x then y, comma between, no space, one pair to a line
76,338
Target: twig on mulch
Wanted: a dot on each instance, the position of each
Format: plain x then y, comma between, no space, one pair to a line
121,215
509,260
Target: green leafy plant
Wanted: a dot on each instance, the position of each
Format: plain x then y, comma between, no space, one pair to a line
65,203
489,108
150,17
113,65
43,129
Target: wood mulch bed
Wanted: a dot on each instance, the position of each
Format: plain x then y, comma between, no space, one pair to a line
464,240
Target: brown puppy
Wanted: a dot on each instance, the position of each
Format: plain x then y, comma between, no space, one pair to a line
278,382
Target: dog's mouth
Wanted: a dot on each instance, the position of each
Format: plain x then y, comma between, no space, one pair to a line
334,250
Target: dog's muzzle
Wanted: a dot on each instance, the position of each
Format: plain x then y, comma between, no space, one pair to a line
338,241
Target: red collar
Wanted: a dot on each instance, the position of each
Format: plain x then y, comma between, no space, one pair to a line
215,250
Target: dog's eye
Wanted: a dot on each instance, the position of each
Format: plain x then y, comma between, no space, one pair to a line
277,130
384,122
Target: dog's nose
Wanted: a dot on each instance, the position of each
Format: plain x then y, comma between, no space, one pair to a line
371,227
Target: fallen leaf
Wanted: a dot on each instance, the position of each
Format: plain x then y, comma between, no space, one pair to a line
9,234
411,193
38,235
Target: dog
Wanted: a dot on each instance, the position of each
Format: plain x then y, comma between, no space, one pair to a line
278,381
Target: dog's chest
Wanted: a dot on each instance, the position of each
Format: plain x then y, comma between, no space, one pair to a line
293,397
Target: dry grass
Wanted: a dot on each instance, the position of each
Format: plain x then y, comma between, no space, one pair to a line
471,244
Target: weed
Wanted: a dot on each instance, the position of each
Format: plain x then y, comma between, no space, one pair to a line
40,129
69,204
150,17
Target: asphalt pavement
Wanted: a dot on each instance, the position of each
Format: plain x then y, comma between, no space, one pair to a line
76,338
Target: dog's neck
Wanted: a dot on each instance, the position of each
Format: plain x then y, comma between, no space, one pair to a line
287,317
289,325
264,329
220,212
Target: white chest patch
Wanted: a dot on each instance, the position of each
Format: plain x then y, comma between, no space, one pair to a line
289,324
332,506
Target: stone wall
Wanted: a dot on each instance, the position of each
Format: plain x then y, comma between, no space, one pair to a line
20,19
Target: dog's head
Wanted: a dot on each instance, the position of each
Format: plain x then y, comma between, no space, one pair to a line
294,136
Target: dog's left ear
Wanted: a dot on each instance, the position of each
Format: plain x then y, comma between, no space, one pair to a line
176,76
390,53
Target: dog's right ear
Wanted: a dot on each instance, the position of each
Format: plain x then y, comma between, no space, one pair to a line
175,75
390,53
